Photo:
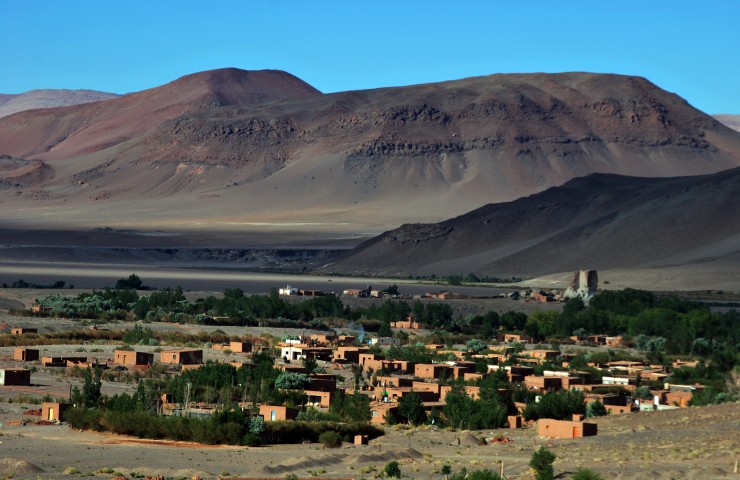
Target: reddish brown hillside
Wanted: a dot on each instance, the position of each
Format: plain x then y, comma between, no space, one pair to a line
70,131
277,152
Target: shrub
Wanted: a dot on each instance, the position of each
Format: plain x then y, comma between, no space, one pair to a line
541,462
392,469
595,409
586,474
476,475
72,471
330,439
252,440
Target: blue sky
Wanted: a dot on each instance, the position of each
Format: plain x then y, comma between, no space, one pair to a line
687,47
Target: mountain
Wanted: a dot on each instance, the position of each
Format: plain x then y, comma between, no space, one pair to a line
232,149
732,121
60,133
47,98
600,221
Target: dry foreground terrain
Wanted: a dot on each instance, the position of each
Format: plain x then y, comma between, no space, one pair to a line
693,443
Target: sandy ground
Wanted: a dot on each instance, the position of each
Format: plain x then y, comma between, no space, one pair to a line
694,443
686,278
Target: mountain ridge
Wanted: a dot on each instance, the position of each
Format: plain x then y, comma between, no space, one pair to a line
49,98
600,221
280,152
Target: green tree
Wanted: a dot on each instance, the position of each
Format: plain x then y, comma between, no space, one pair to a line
133,282
541,462
90,395
475,345
292,381
643,393
392,469
595,409
385,330
330,439
310,364
411,407
256,425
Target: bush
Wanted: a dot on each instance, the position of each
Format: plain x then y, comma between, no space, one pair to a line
595,409
252,440
541,462
586,474
330,439
476,475
392,469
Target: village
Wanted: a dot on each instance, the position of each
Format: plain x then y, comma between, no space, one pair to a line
448,371
386,381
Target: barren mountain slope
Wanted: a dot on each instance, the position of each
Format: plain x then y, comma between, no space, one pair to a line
71,131
599,221
732,121
351,161
48,98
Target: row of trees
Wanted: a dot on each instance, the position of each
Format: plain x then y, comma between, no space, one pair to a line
655,324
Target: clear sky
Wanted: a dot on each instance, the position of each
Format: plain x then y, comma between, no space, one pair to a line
691,48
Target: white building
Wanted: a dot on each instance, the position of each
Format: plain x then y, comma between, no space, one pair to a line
385,341
288,290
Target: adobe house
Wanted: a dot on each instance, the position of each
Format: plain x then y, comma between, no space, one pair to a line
52,411
461,368
409,324
471,390
61,361
346,340
23,330
322,338
549,428
349,354
379,410
15,376
274,413
361,440
518,372
515,421
432,370
423,387
23,354
543,356
471,377
181,356
385,341
323,382
394,394
389,381
240,347
516,338
317,398
290,352
534,382
132,358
